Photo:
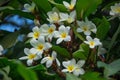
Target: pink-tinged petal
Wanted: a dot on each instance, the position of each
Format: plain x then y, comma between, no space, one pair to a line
66,4
29,62
24,58
44,60
64,70
59,40
80,63
27,51
49,63
68,38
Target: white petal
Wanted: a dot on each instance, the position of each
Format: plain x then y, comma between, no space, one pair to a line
72,62
24,58
33,50
86,42
54,54
62,28
30,34
66,63
66,4
79,30
89,38
94,30
87,33
64,70
41,39
80,63
47,45
35,29
44,60
76,72
37,57
63,16
58,62
1,48
97,41
81,71
59,40
68,38
73,2
27,6
56,34
49,63
67,29
29,62
27,51
34,42
73,14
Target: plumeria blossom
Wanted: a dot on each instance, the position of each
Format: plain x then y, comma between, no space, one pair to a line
30,56
49,59
40,45
69,18
54,16
36,33
48,30
72,66
29,8
92,42
87,27
71,5
1,49
115,10
62,34
101,50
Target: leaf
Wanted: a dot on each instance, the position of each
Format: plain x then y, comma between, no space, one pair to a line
85,7
83,52
89,75
6,7
70,76
43,4
110,69
61,7
62,51
38,68
6,69
9,40
103,29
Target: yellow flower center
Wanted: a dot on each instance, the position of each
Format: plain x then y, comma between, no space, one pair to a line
70,68
69,20
71,7
50,30
92,43
55,17
85,28
40,47
117,9
31,56
36,34
64,35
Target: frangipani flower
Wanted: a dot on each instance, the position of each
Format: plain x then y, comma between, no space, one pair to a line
71,5
101,50
115,10
92,42
31,56
69,18
49,59
54,16
86,27
1,49
71,66
36,33
40,45
29,8
62,34
48,30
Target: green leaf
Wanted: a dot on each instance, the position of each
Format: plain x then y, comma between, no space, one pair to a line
62,51
103,29
70,76
83,52
89,75
6,7
38,68
43,4
61,7
9,40
85,7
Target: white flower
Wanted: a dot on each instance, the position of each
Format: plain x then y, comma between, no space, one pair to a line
31,56
101,50
71,66
40,45
29,8
92,42
115,10
71,5
36,33
53,16
48,30
1,49
49,60
62,34
86,27
69,18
